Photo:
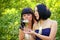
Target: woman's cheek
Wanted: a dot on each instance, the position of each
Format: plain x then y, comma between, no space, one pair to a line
24,18
30,18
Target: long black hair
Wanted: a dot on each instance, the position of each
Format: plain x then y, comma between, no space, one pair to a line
27,11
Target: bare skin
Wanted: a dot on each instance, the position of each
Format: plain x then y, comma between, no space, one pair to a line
21,32
50,24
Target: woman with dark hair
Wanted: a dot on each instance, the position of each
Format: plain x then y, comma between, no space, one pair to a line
27,16
45,28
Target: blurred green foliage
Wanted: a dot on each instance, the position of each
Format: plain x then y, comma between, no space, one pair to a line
10,12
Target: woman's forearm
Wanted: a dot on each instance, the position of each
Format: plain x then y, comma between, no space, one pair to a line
21,35
43,37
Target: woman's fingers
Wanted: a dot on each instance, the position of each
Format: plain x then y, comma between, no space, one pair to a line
28,31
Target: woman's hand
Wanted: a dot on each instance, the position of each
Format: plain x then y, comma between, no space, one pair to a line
29,31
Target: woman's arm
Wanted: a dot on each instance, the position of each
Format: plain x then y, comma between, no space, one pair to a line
52,33
32,37
21,35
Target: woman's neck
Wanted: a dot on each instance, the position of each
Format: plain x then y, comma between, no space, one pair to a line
43,21
29,25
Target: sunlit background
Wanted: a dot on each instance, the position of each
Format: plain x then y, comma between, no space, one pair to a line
10,12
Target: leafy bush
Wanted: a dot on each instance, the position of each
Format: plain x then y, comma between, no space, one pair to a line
10,13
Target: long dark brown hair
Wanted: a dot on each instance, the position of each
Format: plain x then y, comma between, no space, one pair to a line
27,11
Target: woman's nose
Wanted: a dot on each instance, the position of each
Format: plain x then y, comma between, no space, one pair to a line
26,16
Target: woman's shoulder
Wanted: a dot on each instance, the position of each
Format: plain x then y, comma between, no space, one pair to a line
35,23
34,26
53,22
